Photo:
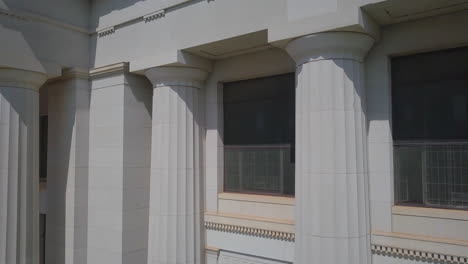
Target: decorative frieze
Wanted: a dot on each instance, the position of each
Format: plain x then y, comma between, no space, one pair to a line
250,231
153,16
417,254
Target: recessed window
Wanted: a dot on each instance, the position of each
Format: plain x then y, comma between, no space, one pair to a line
259,135
430,128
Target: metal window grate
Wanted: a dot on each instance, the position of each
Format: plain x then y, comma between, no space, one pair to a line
445,175
432,174
259,169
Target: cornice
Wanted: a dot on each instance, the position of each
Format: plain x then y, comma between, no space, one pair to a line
250,231
109,69
417,254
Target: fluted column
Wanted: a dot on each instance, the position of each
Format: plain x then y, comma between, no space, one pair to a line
332,223
19,166
175,166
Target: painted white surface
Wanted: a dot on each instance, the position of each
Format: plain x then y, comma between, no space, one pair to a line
300,9
67,171
119,169
256,246
175,205
226,257
332,219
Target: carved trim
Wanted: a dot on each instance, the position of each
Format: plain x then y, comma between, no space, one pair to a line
106,32
250,231
155,15
417,254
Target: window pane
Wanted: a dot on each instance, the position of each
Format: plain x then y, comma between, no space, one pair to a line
259,111
430,128
262,169
432,174
430,96
259,135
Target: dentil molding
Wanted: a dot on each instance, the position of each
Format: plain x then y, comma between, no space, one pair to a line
417,254
250,231
154,15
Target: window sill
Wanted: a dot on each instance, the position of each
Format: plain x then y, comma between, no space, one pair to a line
257,198
430,212
263,206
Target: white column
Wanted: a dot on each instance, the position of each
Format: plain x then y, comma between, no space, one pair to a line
332,222
19,166
119,166
175,213
67,169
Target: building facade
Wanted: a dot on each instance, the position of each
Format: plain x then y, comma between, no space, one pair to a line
226,132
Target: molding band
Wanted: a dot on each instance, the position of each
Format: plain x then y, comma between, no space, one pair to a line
417,254
120,67
250,231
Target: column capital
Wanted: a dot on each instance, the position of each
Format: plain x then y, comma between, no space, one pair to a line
176,76
18,78
330,45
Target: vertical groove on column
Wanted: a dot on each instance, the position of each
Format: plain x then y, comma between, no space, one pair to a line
19,234
174,175
331,206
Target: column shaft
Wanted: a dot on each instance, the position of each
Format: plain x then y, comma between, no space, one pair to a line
331,151
67,176
19,166
119,168
175,213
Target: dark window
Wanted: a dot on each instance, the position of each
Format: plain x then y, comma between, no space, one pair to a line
42,230
43,126
430,128
259,135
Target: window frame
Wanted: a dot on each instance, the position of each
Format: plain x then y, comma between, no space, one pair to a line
291,145
422,142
